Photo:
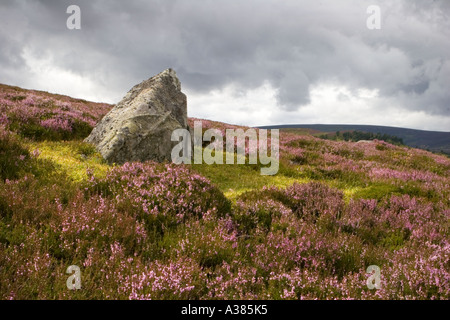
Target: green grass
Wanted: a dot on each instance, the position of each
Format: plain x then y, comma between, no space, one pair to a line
72,158
234,180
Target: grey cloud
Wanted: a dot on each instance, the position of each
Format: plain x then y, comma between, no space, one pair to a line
292,45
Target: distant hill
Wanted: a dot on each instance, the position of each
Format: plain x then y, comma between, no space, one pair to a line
435,141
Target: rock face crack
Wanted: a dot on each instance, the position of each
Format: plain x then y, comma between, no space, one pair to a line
139,127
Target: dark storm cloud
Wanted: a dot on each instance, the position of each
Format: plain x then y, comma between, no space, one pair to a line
293,45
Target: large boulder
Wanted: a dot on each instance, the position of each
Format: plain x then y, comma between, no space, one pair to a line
139,127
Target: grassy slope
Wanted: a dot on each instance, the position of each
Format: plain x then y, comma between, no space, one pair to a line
252,249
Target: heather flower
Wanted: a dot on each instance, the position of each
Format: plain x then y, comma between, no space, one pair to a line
161,231
36,153
57,124
4,120
141,186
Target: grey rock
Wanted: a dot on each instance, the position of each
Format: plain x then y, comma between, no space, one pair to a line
139,127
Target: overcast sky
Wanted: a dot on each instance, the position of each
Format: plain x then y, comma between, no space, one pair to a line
250,62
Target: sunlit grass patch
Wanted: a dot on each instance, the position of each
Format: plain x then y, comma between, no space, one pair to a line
236,179
349,193
74,158
376,191
271,181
